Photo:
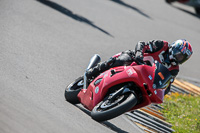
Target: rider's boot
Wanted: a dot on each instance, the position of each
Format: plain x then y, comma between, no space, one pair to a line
99,68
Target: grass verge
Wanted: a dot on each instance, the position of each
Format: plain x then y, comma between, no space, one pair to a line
183,112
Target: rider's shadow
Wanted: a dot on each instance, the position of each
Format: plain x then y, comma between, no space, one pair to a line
104,123
131,7
71,14
186,11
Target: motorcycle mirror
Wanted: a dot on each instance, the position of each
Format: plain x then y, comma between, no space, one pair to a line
94,61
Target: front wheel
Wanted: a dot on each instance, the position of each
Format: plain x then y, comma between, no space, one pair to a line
73,89
108,109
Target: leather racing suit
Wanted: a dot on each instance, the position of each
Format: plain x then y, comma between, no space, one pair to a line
157,49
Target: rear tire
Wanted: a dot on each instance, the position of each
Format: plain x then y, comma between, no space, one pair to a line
121,106
73,89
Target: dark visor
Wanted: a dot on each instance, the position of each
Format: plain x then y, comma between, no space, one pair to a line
180,58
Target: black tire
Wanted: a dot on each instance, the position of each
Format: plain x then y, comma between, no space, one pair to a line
121,107
73,89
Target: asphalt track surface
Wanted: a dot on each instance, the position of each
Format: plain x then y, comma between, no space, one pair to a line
44,45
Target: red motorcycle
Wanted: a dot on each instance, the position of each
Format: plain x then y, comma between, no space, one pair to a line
120,89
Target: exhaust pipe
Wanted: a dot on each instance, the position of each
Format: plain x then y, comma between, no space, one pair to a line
93,62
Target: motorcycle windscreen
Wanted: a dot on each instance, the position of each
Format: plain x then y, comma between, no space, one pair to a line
162,76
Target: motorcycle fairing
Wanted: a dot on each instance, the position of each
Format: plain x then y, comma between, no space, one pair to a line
95,93
138,74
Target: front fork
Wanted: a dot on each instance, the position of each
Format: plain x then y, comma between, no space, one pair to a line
85,84
121,91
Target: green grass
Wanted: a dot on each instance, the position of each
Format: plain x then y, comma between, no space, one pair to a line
183,112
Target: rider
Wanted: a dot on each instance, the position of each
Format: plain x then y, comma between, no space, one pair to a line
170,55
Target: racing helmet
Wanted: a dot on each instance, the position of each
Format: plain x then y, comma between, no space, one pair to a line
180,51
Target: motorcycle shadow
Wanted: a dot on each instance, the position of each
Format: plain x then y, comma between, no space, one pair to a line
104,123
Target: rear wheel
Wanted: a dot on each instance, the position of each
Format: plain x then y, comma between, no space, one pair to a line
73,89
108,109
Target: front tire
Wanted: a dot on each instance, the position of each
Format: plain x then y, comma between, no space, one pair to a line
105,110
73,89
